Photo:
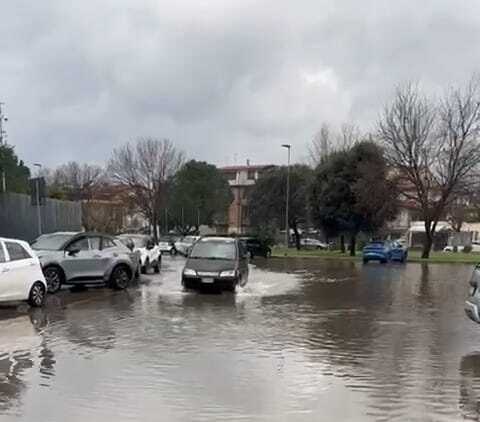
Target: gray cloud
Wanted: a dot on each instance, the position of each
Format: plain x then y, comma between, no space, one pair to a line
220,79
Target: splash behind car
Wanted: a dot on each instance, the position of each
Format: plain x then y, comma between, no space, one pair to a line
84,258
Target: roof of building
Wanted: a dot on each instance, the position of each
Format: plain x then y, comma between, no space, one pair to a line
245,167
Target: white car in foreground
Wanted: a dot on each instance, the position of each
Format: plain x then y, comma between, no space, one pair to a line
21,277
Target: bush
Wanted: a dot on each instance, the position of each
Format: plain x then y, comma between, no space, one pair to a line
467,249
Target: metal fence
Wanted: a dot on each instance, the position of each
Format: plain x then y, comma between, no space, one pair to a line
18,218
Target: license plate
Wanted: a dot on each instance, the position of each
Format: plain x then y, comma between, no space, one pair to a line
207,280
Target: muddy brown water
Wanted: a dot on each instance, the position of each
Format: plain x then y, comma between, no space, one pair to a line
305,340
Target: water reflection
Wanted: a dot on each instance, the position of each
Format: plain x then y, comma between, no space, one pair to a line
304,340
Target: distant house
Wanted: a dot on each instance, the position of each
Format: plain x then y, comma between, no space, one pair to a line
242,179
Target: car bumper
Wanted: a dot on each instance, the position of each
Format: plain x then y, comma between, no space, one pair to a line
197,283
472,309
375,257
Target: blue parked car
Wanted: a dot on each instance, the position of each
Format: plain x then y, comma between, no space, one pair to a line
398,252
377,251
384,251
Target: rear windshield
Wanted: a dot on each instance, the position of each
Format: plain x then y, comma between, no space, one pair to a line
214,250
51,242
375,245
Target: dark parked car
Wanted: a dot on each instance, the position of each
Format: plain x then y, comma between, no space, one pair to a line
255,247
84,258
216,262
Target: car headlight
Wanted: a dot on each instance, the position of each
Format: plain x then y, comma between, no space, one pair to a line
189,272
230,273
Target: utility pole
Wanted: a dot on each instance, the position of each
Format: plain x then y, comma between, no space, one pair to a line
37,194
287,228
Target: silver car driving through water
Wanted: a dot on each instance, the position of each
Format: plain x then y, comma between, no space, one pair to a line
84,258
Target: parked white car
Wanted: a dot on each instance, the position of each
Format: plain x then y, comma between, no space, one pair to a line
150,254
21,277
312,244
167,245
475,247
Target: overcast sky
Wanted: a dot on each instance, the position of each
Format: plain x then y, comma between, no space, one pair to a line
225,80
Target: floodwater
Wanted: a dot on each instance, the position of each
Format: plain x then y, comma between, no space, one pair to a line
305,340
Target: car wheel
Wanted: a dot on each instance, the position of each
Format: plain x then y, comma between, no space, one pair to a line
144,268
173,251
37,294
365,261
120,277
230,287
156,267
54,277
383,261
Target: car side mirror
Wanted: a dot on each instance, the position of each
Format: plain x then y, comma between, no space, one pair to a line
150,246
131,246
73,252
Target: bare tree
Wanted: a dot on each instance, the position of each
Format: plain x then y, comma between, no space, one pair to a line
328,140
320,145
349,135
145,167
435,148
76,181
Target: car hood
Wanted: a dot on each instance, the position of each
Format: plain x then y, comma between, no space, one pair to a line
210,265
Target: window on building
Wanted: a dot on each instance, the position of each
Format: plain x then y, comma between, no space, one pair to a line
251,175
16,251
232,176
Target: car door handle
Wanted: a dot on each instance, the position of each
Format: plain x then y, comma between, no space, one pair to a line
97,256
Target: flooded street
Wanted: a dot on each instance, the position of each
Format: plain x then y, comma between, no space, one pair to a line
305,340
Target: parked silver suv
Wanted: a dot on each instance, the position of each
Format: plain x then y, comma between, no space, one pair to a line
84,258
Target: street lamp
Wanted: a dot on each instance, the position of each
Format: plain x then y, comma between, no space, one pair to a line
287,146
37,194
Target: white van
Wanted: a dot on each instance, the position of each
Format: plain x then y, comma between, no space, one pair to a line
21,276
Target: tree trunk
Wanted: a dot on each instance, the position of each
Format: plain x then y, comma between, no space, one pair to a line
342,243
353,241
427,245
428,240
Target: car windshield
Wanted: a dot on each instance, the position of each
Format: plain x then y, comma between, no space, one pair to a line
376,245
214,250
51,242
189,239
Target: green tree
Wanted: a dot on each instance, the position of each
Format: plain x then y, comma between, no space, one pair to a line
199,195
16,173
267,200
351,192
